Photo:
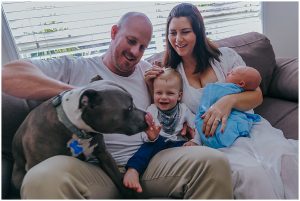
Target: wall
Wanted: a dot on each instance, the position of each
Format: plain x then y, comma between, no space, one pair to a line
4,48
7,43
4,55
280,25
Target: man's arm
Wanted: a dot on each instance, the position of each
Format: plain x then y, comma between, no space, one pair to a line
24,80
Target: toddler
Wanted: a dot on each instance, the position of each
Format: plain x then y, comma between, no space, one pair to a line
171,115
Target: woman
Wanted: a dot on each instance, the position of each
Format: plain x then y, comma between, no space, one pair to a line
256,162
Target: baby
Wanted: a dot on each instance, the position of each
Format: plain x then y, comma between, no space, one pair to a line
245,77
239,123
171,115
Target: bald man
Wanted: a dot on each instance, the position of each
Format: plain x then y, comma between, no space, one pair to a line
185,173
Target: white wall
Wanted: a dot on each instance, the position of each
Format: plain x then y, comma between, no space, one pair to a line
280,25
8,49
4,56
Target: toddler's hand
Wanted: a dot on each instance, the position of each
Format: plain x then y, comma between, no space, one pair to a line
152,130
187,131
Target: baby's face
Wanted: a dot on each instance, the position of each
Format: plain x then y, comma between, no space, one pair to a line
236,75
166,93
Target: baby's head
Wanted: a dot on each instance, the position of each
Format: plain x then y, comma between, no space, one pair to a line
246,77
167,88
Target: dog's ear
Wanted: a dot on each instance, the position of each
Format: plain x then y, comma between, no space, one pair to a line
96,78
87,98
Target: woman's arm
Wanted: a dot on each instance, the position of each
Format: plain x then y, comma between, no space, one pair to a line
219,112
24,80
247,100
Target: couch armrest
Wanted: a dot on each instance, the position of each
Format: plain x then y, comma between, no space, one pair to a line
14,111
284,83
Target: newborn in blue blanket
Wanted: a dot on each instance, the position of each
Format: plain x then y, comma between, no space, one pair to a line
239,123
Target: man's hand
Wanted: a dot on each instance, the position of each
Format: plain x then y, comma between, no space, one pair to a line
187,131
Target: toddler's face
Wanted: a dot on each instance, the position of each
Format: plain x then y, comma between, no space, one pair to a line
166,93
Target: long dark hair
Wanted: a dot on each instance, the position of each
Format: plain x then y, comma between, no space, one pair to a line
205,51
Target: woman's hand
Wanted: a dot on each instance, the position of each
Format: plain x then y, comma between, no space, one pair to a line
151,74
216,114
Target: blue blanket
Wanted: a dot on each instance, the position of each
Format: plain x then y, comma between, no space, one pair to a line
238,124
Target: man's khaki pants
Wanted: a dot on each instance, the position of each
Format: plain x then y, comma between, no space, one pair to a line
195,172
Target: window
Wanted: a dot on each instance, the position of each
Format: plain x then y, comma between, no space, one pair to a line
53,29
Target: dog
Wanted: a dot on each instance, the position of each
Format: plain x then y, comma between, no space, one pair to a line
72,123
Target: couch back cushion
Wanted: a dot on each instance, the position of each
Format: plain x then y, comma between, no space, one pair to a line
284,83
14,111
257,51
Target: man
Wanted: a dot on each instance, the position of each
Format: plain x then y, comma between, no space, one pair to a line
187,173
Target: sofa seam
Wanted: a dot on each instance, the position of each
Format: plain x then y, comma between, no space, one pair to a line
247,43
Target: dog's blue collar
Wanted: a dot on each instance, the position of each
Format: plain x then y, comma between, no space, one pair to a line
56,102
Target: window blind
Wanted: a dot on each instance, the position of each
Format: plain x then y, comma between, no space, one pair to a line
52,29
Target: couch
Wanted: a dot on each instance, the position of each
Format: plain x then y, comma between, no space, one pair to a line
279,86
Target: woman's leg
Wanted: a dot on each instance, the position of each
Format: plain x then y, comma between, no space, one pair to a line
195,172
252,182
64,177
278,155
289,175
250,179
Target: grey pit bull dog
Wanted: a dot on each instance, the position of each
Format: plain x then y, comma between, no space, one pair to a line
72,124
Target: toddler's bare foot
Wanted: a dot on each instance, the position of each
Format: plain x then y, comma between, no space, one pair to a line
131,180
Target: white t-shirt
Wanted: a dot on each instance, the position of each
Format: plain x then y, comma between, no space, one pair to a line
80,71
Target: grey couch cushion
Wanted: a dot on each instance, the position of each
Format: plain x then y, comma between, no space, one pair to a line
282,114
257,51
284,83
14,111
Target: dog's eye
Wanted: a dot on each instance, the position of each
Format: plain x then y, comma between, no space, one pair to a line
130,108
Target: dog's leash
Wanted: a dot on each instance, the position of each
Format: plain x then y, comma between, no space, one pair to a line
56,102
